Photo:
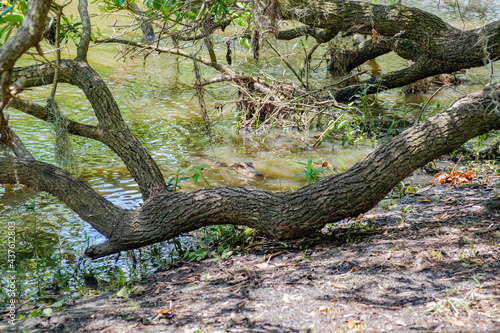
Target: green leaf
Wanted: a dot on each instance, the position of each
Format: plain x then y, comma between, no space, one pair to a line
242,23
4,28
195,177
47,312
7,9
58,304
12,18
244,42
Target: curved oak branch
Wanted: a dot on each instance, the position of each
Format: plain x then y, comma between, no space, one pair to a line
277,215
82,199
412,33
115,133
42,113
299,213
321,36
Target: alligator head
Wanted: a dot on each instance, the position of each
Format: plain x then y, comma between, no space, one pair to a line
247,169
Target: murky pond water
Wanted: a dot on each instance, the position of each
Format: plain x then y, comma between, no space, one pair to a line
158,103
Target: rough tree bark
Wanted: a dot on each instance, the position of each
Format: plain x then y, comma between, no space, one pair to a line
433,45
28,35
165,214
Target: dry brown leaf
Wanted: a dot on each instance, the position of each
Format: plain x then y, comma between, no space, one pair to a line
263,265
457,322
291,298
137,290
237,318
285,265
314,313
353,323
122,293
441,217
354,269
165,311
337,285
453,178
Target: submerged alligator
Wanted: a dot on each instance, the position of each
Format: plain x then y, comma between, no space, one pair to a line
246,169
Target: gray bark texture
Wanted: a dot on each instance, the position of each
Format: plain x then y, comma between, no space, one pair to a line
434,46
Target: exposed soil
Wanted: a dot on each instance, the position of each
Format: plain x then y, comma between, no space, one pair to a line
421,264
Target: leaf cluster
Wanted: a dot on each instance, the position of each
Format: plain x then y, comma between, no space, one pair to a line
311,170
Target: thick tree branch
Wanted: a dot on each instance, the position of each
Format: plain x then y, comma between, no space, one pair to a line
28,35
345,60
419,35
391,21
115,133
299,213
19,149
423,68
83,45
42,113
83,200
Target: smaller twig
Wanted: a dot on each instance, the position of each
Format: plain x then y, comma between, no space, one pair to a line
45,52
307,62
286,62
330,101
326,131
427,103
336,83
225,78
345,78
457,163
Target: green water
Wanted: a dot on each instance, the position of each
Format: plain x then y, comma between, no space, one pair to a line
159,105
